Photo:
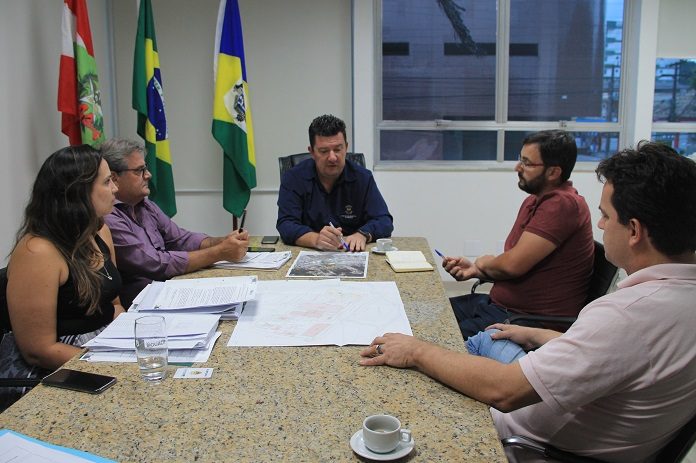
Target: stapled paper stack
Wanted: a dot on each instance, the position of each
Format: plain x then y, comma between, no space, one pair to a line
257,261
224,296
408,261
190,338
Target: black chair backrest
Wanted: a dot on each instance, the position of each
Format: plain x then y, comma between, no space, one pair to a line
5,328
603,274
680,444
4,313
286,163
674,452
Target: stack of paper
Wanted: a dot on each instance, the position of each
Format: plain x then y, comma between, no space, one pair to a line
224,296
408,261
190,338
257,261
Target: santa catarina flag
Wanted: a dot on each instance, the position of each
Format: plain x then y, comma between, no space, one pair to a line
232,126
78,85
148,101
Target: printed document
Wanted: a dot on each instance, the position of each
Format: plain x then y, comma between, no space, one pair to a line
175,356
16,447
197,293
190,338
326,312
257,261
317,264
177,325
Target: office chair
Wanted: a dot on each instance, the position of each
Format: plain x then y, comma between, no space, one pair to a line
604,274
673,452
286,163
6,328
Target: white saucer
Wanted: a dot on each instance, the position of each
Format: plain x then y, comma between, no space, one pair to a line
377,251
401,450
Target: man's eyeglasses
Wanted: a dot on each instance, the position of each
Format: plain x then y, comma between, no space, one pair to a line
138,171
526,163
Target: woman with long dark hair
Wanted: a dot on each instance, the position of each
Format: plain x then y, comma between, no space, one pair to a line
62,284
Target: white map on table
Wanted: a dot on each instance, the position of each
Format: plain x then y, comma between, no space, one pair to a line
314,313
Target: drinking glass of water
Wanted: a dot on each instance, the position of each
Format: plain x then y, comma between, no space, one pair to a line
151,347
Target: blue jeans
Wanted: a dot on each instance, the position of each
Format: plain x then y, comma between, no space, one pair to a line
475,312
502,350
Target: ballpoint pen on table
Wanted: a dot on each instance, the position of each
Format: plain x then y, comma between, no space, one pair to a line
340,237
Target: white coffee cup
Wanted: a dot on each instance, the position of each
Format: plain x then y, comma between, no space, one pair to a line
382,433
384,244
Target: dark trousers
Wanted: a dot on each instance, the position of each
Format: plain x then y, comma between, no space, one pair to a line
474,312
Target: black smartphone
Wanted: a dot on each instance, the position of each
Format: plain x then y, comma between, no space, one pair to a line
271,239
260,249
79,381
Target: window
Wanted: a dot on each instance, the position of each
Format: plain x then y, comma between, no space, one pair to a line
466,80
674,105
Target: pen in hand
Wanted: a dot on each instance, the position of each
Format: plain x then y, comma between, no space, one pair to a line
340,237
241,224
439,253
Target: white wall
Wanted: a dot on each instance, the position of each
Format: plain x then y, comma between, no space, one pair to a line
298,66
676,34
29,120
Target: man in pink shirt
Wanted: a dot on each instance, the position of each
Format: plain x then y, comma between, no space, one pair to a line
148,244
621,381
547,263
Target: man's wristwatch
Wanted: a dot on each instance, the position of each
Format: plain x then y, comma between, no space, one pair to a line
367,235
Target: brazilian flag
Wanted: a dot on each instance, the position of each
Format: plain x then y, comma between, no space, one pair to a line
148,101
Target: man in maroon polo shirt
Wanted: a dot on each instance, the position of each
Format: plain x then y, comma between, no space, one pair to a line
547,263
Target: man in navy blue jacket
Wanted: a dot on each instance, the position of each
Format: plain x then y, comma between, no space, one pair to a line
327,202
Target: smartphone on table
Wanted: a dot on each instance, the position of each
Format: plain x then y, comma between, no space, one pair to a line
79,381
259,249
271,239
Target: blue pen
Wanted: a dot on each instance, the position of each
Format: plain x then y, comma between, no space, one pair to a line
340,237
439,254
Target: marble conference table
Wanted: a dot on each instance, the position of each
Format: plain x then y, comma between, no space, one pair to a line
296,404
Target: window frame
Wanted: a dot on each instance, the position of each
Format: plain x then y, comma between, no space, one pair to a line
500,124
671,127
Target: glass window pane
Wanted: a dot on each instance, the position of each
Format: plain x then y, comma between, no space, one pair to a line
592,146
513,144
675,90
683,143
438,59
565,60
426,145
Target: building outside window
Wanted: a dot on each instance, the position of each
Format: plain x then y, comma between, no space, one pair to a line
674,105
467,80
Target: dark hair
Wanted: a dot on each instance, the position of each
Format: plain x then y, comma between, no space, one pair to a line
60,210
326,126
557,148
656,186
